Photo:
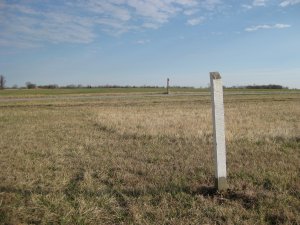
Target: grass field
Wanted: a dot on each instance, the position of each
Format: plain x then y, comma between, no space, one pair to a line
148,160
88,91
27,93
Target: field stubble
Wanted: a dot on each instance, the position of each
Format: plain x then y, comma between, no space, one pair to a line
148,160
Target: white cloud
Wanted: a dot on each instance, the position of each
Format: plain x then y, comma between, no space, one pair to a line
259,27
289,2
190,12
157,11
259,2
210,4
51,27
79,21
195,21
254,4
281,26
82,21
143,41
150,25
247,6
32,27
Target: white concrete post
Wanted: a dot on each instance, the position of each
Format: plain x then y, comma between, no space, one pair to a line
168,80
219,131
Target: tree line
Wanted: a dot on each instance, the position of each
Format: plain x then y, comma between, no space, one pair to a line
269,86
30,85
2,82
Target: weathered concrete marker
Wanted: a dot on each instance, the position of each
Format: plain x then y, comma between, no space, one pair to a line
168,81
219,131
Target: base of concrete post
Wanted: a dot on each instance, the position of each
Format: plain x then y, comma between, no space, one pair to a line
221,183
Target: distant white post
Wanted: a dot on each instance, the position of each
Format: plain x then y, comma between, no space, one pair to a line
168,81
219,131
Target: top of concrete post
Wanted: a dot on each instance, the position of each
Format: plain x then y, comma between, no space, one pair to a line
215,75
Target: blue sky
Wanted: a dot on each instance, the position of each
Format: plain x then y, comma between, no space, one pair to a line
142,42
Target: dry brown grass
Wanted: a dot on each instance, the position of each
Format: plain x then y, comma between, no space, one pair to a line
148,160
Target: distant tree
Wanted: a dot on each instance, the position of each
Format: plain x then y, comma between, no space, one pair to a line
49,86
269,86
2,82
30,85
70,86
